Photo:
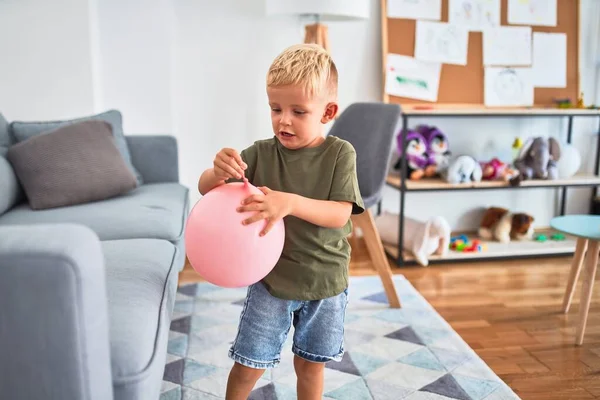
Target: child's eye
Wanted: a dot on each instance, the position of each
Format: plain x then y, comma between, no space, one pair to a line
275,109
299,112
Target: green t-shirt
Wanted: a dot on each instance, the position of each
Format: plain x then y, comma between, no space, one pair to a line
314,261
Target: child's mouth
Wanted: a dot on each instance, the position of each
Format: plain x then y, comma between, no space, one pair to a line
286,134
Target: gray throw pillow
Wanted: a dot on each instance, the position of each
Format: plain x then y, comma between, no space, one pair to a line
74,164
23,130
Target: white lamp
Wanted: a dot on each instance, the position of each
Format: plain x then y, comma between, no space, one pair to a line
322,10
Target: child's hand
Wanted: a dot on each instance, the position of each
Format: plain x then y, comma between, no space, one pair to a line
271,206
228,164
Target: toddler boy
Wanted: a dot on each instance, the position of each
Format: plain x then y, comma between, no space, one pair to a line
310,180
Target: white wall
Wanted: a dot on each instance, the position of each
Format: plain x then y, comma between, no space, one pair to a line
192,68
134,42
45,59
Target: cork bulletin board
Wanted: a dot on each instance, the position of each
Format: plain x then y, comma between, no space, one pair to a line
464,85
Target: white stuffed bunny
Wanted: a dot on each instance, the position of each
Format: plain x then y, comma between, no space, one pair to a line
422,238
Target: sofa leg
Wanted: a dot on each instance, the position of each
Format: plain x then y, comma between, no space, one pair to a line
366,223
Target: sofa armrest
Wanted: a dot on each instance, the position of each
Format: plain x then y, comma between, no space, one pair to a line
54,341
155,157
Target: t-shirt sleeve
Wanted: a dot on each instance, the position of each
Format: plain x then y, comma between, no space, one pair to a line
250,156
345,182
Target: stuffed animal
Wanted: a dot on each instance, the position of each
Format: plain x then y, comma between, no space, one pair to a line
537,159
503,225
416,155
421,238
497,170
437,149
462,170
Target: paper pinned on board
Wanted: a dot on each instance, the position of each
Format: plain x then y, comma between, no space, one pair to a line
532,12
408,77
415,9
475,15
507,45
508,87
549,60
441,42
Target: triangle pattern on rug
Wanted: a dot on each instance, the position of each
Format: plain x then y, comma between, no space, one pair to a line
478,389
377,297
447,386
189,290
367,364
174,371
423,358
178,346
449,358
356,390
266,392
406,334
346,365
181,325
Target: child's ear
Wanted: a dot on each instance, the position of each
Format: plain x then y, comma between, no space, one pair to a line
330,113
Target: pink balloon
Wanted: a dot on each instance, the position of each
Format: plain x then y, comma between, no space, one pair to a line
221,249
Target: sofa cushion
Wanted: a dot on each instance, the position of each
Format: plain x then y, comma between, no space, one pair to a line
74,164
23,130
141,281
154,211
10,190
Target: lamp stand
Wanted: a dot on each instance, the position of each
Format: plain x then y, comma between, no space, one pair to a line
317,33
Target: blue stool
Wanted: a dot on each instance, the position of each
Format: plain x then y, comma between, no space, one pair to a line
587,230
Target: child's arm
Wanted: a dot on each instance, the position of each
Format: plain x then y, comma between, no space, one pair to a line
325,213
273,206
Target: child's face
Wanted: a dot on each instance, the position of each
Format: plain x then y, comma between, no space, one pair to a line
297,118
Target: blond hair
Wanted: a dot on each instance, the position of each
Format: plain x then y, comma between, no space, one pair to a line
308,65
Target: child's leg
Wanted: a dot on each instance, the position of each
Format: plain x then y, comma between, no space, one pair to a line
310,379
318,338
264,324
241,381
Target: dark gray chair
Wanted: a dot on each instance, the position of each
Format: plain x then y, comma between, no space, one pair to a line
370,128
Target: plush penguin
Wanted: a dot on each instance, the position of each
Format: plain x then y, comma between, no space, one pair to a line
438,149
416,155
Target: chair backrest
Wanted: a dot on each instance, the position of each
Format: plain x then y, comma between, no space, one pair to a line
370,128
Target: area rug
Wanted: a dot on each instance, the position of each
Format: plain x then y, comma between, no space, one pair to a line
409,353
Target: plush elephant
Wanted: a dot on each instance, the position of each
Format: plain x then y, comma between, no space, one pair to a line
537,160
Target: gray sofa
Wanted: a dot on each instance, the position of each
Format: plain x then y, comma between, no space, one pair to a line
87,291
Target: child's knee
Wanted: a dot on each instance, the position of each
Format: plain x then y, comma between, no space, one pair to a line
243,374
307,369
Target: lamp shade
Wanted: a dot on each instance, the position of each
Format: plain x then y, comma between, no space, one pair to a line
327,10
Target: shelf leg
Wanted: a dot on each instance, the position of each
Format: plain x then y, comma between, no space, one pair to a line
403,174
596,168
563,197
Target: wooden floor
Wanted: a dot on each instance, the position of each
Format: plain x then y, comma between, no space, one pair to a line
509,313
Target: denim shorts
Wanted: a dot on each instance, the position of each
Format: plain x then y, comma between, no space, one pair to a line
266,320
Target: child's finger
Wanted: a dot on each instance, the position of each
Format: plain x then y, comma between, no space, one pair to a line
255,218
268,228
236,156
228,169
255,198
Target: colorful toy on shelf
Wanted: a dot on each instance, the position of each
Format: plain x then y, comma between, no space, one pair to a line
540,238
558,237
495,169
537,159
416,154
563,103
438,149
463,169
461,243
503,225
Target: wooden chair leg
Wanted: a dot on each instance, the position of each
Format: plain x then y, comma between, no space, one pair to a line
366,223
589,275
574,274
